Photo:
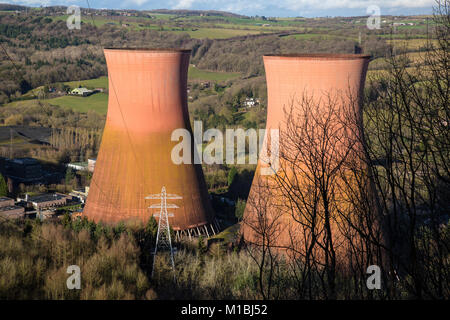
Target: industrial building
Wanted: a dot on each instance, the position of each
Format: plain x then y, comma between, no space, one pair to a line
45,201
78,166
91,164
83,166
147,102
23,170
81,194
6,202
8,209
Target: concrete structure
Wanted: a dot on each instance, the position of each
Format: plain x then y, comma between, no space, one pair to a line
81,194
91,164
45,201
6,202
290,79
12,212
83,166
147,102
46,214
9,210
78,166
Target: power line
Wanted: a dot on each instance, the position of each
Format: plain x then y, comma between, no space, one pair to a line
163,237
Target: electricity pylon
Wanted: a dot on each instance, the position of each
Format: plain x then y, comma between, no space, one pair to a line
163,239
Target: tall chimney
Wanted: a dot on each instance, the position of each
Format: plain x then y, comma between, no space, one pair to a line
147,101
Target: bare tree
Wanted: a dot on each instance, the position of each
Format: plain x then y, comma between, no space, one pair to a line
408,144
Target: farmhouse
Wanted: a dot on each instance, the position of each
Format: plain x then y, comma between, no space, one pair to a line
81,92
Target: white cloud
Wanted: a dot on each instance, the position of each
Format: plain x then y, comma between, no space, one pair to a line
295,5
137,2
31,2
353,4
184,4
251,7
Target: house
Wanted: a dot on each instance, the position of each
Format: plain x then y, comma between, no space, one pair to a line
81,194
91,164
81,92
45,201
78,166
205,85
251,102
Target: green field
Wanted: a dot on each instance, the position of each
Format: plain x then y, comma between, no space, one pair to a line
216,33
99,21
101,82
194,74
97,102
197,74
310,36
410,44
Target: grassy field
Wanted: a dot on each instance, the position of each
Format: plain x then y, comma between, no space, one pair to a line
310,36
97,102
255,27
410,44
413,57
194,74
198,74
99,21
201,31
101,82
216,33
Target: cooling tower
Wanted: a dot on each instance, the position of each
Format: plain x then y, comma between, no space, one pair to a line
274,210
147,101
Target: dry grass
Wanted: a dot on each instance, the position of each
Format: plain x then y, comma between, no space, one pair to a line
34,266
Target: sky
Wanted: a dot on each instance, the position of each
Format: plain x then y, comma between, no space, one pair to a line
269,8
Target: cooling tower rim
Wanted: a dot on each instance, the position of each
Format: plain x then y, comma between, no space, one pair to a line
317,56
156,50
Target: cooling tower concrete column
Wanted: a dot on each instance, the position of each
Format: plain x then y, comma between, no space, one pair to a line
147,101
293,80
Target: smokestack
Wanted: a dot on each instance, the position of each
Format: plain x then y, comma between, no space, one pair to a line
147,101
290,78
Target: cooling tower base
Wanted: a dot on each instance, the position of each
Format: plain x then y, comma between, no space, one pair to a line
206,230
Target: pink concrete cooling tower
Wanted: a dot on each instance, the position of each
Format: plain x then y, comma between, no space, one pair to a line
291,79
147,101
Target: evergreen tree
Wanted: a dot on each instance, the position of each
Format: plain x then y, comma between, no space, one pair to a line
231,175
152,227
3,187
69,176
240,208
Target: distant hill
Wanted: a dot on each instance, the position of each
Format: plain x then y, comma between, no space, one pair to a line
198,12
11,7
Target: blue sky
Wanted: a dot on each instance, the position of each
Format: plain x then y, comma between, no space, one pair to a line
281,8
